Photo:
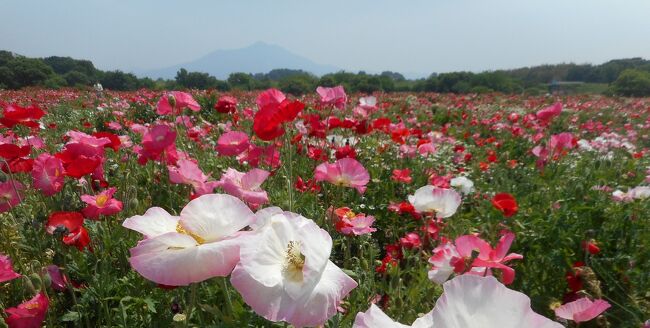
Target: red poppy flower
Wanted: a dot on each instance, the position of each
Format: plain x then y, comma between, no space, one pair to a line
226,104
267,123
345,151
81,166
71,221
505,203
30,313
78,238
19,165
16,115
591,247
115,140
11,151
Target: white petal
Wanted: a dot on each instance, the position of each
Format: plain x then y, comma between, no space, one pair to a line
374,318
471,301
175,259
155,221
215,216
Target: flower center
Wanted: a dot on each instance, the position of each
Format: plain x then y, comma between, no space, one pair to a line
101,200
294,262
180,229
342,181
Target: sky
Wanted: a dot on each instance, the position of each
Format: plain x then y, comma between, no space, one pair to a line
409,36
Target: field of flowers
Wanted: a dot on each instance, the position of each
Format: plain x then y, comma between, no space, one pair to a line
259,209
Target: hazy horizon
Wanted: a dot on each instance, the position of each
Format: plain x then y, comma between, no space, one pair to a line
415,37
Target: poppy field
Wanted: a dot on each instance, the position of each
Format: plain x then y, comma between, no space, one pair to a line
261,209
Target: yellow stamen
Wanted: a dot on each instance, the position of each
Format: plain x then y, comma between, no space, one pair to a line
295,261
182,230
101,200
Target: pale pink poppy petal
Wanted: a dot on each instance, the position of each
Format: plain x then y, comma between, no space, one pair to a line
374,318
471,301
322,303
215,216
154,222
582,309
176,259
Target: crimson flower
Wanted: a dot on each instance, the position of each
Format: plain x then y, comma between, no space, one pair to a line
28,314
505,203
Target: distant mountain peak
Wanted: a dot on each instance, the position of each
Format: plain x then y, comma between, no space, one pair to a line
259,57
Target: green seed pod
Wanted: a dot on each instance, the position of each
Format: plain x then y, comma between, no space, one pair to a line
36,281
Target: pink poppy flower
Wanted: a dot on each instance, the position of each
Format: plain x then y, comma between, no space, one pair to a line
284,272
175,102
332,96
226,104
47,174
270,97
188,172
430,199
582,310
245,186
232,143
84,144
10,194
345,172
256,156
410,240
350,223
102,204
489,258
57,278
200,244
160,138
442,262
546,114
6,269
28,314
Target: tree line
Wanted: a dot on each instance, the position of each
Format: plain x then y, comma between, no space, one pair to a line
628,77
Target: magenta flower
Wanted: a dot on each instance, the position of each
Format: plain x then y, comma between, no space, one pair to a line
270,97
582,310
29,314
47,174
332,96
200,244
546,114
358,225
10,194
232,143
188,172
489,258
6,269
175,102
345,172
102,204
245,186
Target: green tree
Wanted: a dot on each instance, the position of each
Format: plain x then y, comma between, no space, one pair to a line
27,72
118,80
242,81
633,83
74,78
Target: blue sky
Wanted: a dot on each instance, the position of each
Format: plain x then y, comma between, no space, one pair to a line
415,36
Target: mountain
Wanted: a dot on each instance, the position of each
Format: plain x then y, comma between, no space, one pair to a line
259,57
